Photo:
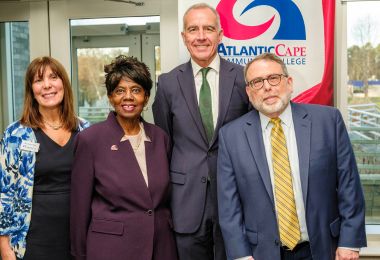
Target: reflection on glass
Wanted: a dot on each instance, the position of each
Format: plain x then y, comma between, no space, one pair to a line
364,98
157,60
15,57
20,61
92,96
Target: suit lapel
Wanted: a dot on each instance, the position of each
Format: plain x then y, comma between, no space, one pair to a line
302,128
254,136
129,162
116,132
149,157
187,85
227,77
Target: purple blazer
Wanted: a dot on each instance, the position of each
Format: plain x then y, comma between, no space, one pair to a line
114,215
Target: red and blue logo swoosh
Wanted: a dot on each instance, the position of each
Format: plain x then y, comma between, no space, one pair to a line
292,26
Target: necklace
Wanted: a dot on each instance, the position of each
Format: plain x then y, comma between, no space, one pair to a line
135,140
138,141
54,127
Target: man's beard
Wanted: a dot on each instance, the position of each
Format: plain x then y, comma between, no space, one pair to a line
278,107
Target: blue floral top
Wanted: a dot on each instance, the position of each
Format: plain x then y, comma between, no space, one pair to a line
16,183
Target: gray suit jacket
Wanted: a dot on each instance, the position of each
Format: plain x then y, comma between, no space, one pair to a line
193,160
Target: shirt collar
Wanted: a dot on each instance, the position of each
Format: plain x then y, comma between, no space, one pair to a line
286,118
145,138
215,65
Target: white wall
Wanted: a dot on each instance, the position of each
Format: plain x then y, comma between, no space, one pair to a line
39,30
170,43
14,11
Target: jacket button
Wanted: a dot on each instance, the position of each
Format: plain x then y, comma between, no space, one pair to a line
276,242
203,179
149,212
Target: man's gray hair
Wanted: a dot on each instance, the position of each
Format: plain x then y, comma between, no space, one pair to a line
202,6
268,57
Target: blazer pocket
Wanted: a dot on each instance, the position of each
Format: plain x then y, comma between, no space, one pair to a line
111,227
177,177
335,227
252,237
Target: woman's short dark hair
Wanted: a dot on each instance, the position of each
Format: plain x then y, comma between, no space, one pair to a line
31,116
127,67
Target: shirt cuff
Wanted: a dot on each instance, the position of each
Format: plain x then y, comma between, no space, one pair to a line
243,258
350,248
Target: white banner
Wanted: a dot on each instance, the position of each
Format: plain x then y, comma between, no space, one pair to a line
293,30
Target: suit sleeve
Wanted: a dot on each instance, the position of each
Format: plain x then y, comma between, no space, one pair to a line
349,189
82,185
161,109
229,206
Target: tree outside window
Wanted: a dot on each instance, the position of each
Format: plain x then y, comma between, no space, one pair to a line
363,60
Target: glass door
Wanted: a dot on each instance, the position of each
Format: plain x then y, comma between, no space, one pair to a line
95,42
14,59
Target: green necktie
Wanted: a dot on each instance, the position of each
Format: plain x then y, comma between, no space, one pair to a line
287,217
205,105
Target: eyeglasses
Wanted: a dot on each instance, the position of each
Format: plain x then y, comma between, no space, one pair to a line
273,80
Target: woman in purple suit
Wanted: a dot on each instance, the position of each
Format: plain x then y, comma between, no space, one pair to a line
120,177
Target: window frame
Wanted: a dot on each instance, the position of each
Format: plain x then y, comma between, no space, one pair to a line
341,100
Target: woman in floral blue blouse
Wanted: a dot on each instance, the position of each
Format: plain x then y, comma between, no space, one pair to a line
36,155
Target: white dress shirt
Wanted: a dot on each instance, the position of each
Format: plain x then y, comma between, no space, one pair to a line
213,81
138,147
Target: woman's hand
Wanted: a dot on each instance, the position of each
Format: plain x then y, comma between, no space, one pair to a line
6,251
8,255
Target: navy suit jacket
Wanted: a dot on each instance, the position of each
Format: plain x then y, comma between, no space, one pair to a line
193,160
331,188
114,215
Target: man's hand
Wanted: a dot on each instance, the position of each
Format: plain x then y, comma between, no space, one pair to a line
346,254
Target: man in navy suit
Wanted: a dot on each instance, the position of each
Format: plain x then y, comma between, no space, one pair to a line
180,109
324,188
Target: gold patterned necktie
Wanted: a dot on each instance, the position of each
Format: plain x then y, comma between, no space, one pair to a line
205,105
288,223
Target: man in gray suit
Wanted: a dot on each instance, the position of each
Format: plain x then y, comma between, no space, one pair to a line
192,102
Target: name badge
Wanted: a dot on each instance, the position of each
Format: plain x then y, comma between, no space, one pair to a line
30,146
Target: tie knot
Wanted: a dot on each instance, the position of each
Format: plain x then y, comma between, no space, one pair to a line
276,121
205,71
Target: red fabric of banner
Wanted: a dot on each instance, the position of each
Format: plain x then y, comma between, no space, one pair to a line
323,93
